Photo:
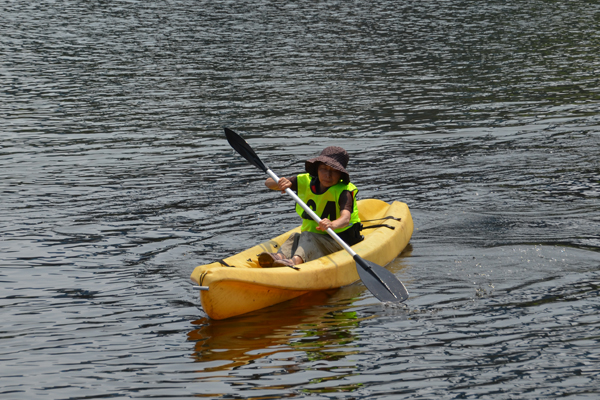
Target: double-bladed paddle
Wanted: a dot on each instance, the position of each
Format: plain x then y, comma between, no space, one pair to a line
382,283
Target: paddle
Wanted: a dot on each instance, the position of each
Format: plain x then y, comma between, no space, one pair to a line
382,283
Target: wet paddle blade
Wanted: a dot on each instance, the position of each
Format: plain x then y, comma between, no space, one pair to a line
382,283
244,149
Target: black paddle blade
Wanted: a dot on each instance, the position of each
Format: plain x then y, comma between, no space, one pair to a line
382,283
244,149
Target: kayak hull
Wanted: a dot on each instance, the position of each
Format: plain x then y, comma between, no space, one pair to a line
243,286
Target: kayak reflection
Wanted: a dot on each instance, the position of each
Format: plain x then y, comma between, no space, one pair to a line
315,323
230,343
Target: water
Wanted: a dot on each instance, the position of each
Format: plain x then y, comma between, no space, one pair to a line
116,181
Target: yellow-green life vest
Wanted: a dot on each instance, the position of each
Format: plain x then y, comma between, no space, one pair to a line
326,205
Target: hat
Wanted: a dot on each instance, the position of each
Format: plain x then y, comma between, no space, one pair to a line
333,156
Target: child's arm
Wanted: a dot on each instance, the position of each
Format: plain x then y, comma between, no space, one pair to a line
284,183
341,222
346,206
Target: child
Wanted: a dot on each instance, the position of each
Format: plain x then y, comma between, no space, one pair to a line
327,190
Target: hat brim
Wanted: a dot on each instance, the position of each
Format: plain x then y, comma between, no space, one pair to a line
312,166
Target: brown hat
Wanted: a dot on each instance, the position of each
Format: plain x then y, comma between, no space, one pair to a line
333,156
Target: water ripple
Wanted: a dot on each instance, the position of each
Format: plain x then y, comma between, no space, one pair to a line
116,181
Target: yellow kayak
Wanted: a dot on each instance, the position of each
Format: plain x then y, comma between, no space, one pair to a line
238,285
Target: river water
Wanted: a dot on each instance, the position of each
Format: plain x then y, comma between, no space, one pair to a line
116,181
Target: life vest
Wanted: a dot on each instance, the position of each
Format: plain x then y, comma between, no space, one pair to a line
325,205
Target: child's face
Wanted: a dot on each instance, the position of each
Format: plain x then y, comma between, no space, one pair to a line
328,176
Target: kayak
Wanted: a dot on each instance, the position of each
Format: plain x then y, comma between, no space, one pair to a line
238,284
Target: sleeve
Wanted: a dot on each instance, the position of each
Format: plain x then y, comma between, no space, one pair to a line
294,181
346,201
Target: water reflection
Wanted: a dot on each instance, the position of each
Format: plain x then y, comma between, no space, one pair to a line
320,324
311,322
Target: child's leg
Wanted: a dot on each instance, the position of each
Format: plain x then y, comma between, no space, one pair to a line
314,245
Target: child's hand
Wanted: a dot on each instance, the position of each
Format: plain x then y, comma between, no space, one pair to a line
284,183
324,224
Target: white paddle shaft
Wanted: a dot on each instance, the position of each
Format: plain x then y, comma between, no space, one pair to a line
312,214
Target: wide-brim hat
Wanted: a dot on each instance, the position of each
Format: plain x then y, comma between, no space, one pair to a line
333,156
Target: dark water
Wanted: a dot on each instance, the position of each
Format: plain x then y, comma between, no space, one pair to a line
116,181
